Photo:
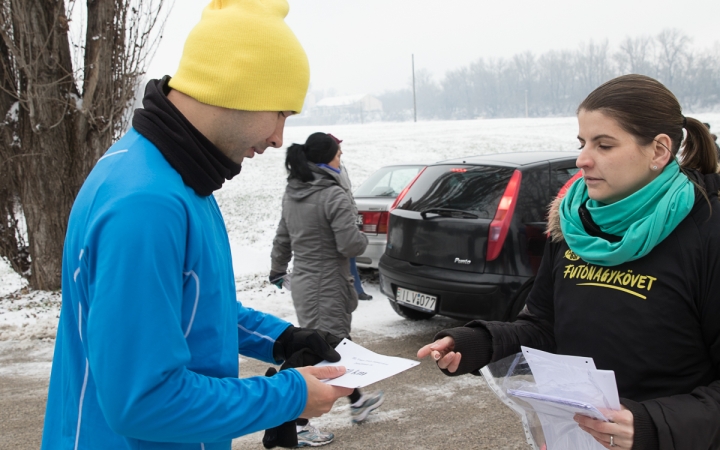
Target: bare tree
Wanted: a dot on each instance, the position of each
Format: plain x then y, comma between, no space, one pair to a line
556,80
457,95
592,65
672,49
704,79
635,56
60,116
489,83
428,94
525,68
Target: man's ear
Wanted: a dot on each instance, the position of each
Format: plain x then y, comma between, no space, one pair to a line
662,154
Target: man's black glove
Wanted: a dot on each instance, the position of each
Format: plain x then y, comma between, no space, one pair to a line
298,347
285,435
277,279
293,339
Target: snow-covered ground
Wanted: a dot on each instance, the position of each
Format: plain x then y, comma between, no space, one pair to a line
251,206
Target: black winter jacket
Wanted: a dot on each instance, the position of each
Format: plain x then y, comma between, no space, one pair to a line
654,321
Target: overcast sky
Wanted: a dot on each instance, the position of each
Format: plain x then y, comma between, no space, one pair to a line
364,46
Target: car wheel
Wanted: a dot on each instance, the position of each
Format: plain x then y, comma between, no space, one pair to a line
519,302
409,313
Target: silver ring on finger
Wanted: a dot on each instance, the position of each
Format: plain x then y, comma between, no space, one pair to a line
612,441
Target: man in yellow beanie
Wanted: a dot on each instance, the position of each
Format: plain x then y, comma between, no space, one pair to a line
146,355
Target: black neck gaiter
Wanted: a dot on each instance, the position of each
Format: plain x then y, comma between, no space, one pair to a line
201,165
592,228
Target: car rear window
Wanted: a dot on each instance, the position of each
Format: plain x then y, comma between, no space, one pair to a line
387,181
475,189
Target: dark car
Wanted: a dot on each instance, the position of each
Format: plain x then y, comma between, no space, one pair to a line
374,198
466,238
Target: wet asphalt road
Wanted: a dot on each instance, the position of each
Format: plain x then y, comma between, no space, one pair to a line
423,409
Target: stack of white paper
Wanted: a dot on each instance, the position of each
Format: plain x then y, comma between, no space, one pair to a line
557,406
565,386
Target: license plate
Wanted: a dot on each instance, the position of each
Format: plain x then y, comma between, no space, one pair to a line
417,299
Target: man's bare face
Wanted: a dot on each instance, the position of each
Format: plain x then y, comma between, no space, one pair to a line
245,133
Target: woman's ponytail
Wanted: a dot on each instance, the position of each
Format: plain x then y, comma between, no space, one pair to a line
319,148
296,163
699,150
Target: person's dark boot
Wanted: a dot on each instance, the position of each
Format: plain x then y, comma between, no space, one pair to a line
364,296
284,435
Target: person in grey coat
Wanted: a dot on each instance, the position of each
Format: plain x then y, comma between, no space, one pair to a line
318,228
346,184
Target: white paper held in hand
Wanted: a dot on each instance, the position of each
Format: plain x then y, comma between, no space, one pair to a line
363,366
572,377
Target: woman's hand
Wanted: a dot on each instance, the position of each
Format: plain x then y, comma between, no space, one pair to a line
442,352
619,431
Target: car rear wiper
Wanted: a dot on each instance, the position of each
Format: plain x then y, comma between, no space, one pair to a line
388,193
448,212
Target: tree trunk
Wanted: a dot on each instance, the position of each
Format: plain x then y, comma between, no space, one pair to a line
42,176
12,243
56,132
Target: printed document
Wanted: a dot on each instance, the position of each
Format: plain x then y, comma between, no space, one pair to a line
563,386
365,367
558,407
572,377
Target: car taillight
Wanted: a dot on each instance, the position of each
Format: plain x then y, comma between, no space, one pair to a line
383,223
373,222
503,216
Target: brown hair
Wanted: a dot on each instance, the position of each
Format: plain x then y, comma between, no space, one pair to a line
644,107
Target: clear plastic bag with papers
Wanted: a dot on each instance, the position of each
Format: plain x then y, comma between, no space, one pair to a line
547,390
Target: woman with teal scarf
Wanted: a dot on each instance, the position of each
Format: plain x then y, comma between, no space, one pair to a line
630,275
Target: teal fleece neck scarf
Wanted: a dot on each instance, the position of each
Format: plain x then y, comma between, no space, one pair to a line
642,219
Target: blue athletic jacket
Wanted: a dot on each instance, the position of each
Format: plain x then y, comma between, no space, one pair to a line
147,347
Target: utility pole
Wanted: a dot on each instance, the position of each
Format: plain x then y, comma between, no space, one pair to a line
414,101
526,104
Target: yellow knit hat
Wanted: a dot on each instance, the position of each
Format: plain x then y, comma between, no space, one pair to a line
242,55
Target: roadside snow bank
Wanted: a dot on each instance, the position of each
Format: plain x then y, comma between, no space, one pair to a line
29,315
9,280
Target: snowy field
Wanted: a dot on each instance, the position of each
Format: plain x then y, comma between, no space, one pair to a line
251,207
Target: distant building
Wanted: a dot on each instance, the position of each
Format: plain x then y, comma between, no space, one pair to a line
334,110
350,103
310,101
348,108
